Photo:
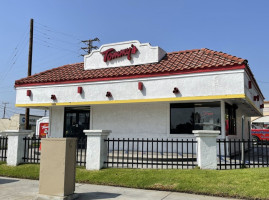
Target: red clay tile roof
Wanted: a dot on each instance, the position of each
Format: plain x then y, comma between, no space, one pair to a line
181,61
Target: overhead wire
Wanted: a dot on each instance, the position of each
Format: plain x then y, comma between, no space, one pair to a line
50,29
49,45
17,110
44,36
16,54
56,40
48,42
52,37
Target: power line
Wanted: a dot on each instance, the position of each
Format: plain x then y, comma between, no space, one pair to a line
51,37
49,45
17,48
49,29
13,59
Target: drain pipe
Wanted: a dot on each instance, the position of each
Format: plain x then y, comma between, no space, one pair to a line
243,144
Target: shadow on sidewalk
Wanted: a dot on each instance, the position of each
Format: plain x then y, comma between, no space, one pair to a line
97,195
4,181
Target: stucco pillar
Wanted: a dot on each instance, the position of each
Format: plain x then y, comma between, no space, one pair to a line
96,148
15,150
206,148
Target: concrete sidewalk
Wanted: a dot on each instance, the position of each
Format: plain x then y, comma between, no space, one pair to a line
12,188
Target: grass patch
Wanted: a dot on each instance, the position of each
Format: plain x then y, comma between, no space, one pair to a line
241,183
29,171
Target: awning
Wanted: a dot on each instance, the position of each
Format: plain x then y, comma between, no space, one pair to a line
262,120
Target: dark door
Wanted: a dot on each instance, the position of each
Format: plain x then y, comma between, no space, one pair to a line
76,120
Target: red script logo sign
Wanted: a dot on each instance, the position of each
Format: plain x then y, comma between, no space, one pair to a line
111,53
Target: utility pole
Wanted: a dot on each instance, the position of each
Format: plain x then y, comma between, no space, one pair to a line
89,47
27,110
4,115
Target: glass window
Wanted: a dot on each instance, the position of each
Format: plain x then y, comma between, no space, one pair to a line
186,117
230,119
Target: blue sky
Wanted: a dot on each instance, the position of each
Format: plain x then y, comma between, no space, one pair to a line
237,27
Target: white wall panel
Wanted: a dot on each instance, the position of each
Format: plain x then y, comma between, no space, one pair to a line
200,84
147,120
56,126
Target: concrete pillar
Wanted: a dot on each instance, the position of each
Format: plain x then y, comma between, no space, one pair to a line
57,169
206,148
96,148
15,150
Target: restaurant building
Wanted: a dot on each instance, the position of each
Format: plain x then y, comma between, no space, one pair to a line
140,91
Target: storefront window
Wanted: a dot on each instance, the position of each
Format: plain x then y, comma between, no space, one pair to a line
186,117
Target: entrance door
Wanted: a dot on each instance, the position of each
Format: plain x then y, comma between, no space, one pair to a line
76,120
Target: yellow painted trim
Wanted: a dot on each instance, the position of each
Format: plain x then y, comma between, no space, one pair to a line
173,99
251,102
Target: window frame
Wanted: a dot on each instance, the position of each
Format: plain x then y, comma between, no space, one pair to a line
193,125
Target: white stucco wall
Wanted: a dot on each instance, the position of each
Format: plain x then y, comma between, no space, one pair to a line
253,91
143,120
132,120
56,122
189,85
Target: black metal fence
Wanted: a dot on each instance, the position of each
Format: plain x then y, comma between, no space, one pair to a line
235,154
3,148
81,151
151,153
33,149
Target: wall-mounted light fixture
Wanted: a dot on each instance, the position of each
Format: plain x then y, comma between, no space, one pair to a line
256,98
140,85
108,94
249,85
80,90
176,90
53,97
28,93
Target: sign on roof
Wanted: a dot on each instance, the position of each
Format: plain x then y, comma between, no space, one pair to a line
123,54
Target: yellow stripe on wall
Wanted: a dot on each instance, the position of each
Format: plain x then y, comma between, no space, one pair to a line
173,99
